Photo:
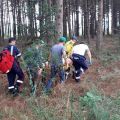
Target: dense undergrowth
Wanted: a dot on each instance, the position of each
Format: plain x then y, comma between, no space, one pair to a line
92,105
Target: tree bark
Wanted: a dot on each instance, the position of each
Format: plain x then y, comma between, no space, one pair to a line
59,18
77,19
68,18
65,18
100,26
2,20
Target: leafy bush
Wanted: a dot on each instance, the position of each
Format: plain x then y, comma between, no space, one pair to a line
93,104
35,57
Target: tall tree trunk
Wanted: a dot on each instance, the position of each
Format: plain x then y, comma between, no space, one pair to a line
100,26
104,17
111,3
87,21
25,29
13,3
35,22
82,24
72,26
2,20
41,22
92,20
104,32
119,17
59,18
19,19
30,17
68,18
77,18
114,17
64,18
108,12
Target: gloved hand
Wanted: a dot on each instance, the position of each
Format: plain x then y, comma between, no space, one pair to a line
89,62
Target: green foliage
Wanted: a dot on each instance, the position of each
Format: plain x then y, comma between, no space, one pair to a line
115,109
47,25
93,104
43,111
1,115
35,58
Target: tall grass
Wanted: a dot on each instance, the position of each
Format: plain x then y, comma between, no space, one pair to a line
92,106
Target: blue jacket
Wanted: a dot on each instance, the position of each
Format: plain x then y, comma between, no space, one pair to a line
13,50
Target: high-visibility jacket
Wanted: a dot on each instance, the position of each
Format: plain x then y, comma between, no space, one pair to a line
68,47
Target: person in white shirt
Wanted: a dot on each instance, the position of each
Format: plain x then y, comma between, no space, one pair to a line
79,60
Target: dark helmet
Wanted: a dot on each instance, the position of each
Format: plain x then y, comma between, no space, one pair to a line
74,38
11,39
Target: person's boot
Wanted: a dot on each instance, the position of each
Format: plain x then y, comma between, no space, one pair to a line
16,91
73,74
10,91
77,80
66,75
48,87
67,72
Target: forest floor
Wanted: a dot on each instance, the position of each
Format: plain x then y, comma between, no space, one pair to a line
103,75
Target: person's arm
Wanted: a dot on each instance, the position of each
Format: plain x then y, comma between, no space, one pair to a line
64,56
17,52
89,55
49,56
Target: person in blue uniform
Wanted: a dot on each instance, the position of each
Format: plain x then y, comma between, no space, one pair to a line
14,85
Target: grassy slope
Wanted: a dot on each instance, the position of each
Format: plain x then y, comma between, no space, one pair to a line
65,102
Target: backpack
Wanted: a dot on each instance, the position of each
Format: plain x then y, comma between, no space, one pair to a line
6,61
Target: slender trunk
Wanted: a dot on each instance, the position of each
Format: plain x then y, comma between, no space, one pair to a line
111,2
114,18
2,20
14,16
77,19
104,25
72,27
82,24
30,17
100,26
108,12
64,18
95,18
41,23
59,18
119,17
104,17
19,19
108,24
25,31
68,19
92,22
85,19
35,22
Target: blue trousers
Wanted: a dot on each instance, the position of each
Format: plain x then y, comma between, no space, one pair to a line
79,62
54,70
16,70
